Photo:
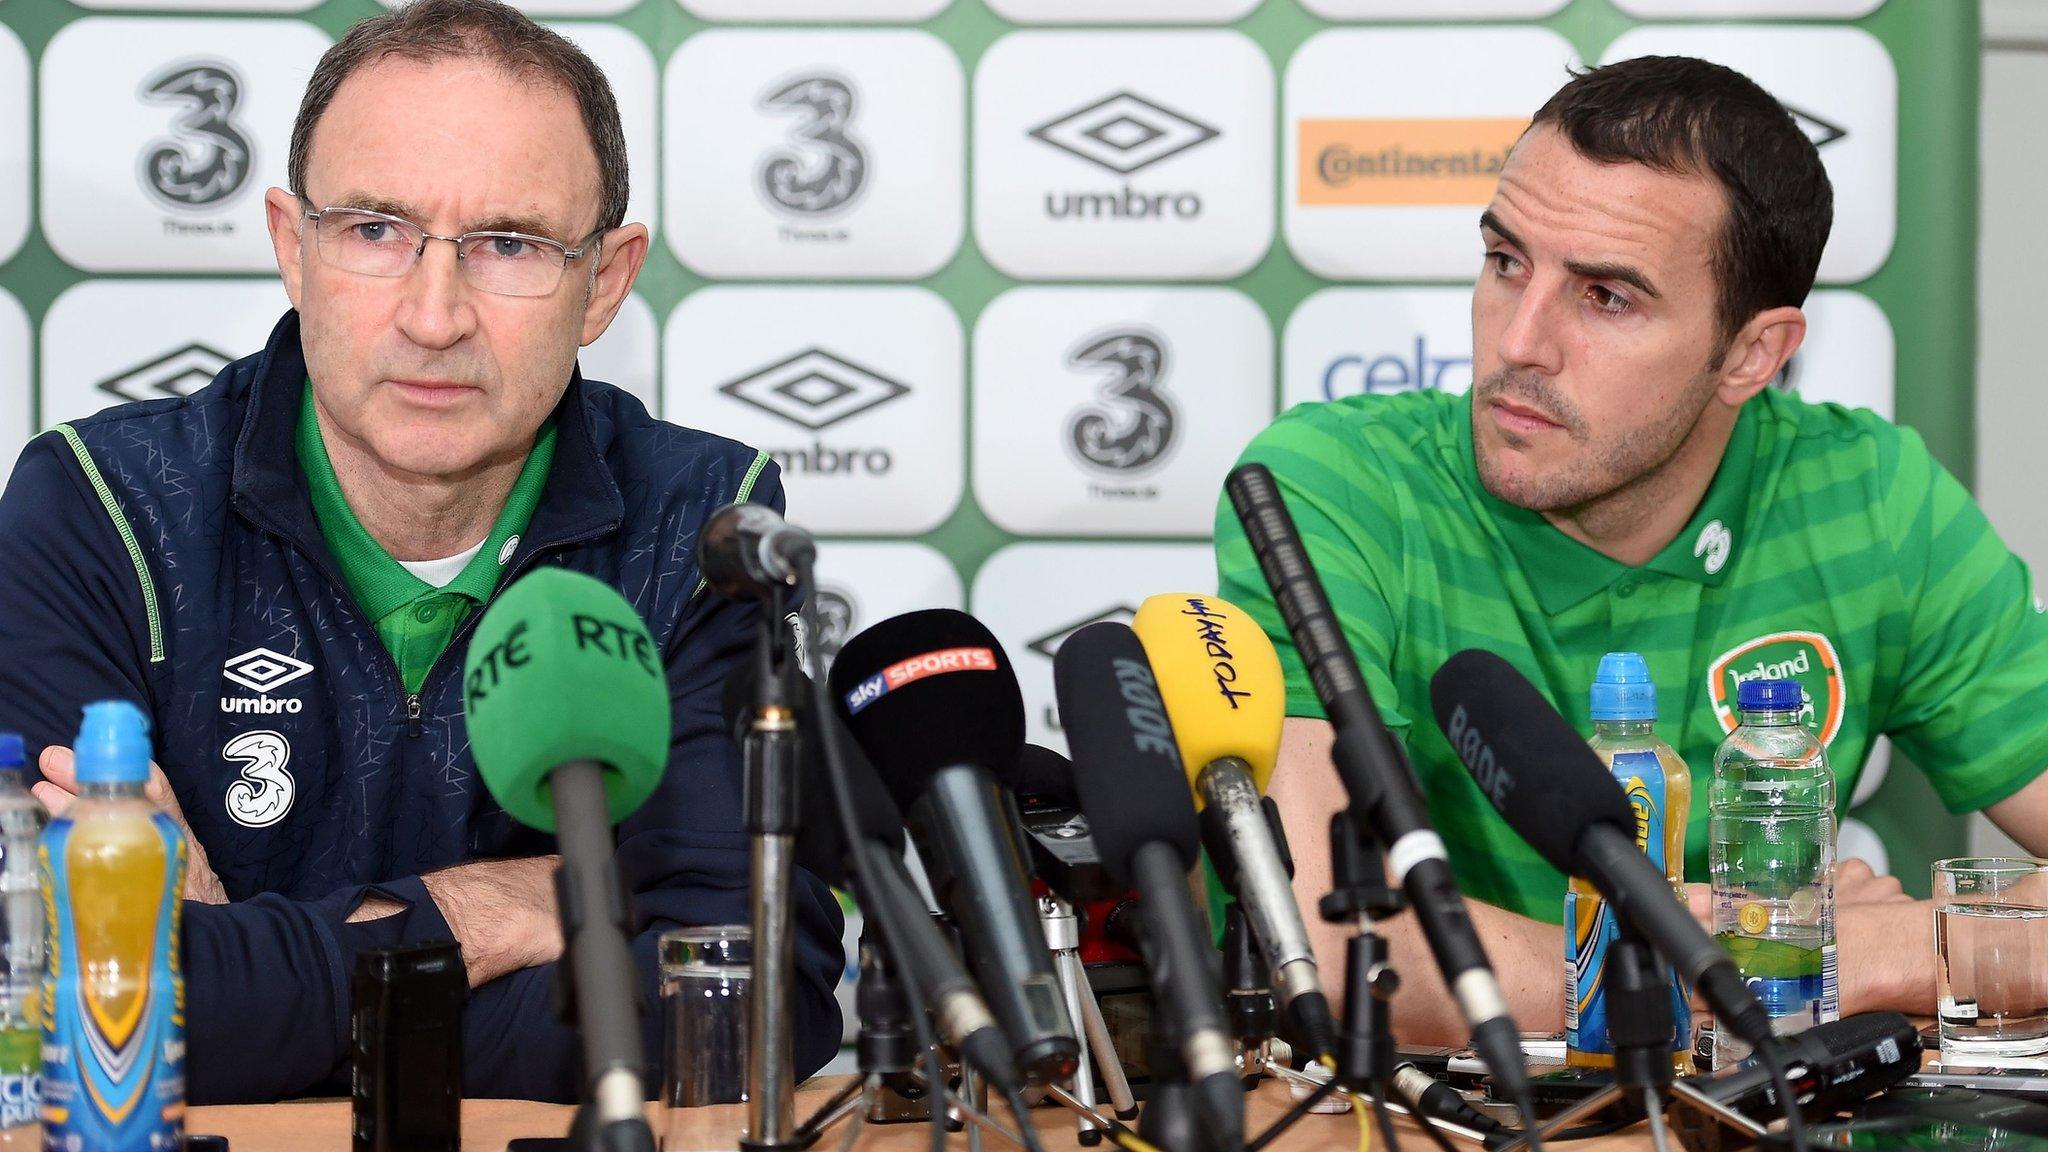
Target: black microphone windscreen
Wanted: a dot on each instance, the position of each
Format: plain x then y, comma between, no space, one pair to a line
1538,773
1045,777
821,848
1127,766
928,690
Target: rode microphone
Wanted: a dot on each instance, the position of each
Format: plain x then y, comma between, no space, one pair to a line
915,944
1128,774
566,702
1378,777
932,700
1220,679
744,549
1552,789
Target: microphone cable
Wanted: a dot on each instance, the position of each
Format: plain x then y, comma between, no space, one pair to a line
1795,1125
842,796
858,844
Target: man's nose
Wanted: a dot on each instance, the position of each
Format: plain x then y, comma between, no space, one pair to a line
1531,339
438,310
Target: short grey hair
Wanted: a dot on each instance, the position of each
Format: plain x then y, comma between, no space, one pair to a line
428,30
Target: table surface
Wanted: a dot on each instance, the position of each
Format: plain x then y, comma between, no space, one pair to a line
487,1125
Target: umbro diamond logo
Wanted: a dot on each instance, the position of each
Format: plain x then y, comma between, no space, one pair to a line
263,670
1124,133
814,389
1821,132
179,372
1048,645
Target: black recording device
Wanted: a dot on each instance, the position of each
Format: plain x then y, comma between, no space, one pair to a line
406,1047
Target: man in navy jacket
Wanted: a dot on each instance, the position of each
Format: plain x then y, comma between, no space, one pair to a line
284,568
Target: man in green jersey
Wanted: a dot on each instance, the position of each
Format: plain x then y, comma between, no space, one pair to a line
1622,477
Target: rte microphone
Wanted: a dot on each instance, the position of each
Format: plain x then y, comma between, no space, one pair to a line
915,945
1378,777
567,706
932,700
1551,788
743,549
1220,679
1133,789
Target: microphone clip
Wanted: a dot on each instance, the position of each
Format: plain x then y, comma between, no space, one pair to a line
1358,875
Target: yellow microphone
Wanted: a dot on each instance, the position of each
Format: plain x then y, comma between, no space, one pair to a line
1220,679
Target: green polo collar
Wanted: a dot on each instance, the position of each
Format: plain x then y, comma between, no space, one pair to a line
1563,572
382,585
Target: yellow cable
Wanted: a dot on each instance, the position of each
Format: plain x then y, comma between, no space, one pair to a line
1359,1105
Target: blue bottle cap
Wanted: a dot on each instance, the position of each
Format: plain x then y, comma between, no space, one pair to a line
113,744
1622,689
12,755
1770,696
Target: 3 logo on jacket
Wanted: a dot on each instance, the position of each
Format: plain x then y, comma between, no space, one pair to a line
264,793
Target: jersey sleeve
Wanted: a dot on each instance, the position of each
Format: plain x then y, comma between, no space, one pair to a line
1342,500
1972,701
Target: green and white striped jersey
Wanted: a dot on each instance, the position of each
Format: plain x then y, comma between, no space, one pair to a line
1830,548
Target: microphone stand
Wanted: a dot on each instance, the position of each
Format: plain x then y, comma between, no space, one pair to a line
769,752
1640,1021
1063,936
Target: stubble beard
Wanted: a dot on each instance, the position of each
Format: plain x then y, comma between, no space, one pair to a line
1603,468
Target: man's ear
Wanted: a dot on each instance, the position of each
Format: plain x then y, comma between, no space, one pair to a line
618,265
1759,352
281,214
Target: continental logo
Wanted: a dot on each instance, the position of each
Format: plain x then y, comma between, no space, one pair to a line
1398,162
1808,657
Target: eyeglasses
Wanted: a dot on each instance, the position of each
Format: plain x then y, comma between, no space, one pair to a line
502,263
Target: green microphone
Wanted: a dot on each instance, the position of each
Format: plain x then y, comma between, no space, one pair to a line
568,712
562,669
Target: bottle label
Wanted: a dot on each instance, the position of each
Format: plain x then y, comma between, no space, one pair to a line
1794,982
21,1077
1591,929
113,1054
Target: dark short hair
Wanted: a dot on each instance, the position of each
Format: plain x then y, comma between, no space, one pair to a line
1682,115
429,30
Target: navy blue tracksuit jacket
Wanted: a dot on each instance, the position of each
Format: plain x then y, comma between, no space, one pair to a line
166,553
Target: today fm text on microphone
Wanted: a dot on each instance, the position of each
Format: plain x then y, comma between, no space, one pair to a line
1132,787
1552,789
567,706
933,701
1220,679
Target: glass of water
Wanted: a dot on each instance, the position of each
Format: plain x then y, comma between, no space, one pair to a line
707,977
1991,942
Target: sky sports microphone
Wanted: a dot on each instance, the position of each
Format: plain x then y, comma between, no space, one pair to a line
745,548
914,944
1133,789
567,706
932,700
1552,789
1377,776
1220,679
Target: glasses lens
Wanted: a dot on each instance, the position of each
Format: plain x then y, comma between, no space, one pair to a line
365,243
512,265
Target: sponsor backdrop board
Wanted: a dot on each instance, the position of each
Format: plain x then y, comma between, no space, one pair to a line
1003,284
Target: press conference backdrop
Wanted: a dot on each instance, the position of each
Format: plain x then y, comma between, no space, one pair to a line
1004,285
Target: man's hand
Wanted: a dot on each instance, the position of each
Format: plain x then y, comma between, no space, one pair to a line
59,788
1884,941
502,913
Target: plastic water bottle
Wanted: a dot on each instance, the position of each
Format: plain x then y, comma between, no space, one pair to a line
1771,843
114,1035
1659,789
21,953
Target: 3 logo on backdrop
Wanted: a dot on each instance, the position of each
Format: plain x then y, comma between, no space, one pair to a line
824,167
208,158
1131,426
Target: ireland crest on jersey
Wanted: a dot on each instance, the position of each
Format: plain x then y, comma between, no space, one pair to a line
1807,657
